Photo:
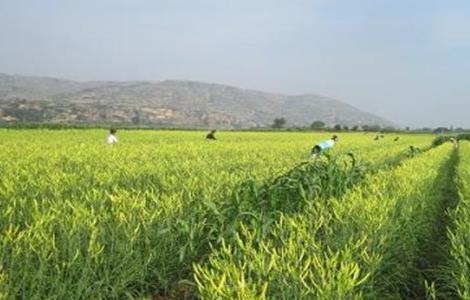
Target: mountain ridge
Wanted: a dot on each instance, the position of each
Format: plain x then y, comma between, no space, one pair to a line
169,102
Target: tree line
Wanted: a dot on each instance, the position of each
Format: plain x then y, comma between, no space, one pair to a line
281,122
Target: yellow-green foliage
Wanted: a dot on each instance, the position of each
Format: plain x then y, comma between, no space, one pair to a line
81,219
459,234
360,246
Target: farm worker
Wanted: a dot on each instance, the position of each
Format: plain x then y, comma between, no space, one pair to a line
455,141
211,136
111,138
396,139
323,146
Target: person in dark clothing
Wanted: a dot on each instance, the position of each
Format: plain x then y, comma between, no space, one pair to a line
396,139
211,136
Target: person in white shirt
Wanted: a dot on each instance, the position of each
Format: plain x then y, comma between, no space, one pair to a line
455,141
111,138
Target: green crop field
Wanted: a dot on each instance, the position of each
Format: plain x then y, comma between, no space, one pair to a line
167,215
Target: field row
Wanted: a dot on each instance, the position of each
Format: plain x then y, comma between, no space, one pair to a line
456,272
363,245
82,220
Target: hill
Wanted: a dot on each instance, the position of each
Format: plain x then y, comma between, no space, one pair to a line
169,103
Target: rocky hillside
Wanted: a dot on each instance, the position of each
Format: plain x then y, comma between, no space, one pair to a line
169,103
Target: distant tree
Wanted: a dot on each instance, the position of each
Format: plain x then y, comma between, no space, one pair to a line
355,128
389,129
346,128
407,128
317,125
425,129
440,130
371,128
279,123
374,128
337,127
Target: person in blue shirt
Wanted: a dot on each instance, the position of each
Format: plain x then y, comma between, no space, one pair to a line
324,146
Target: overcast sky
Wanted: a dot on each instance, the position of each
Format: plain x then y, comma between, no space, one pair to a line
406,60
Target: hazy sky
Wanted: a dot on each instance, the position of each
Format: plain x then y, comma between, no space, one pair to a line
406,60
